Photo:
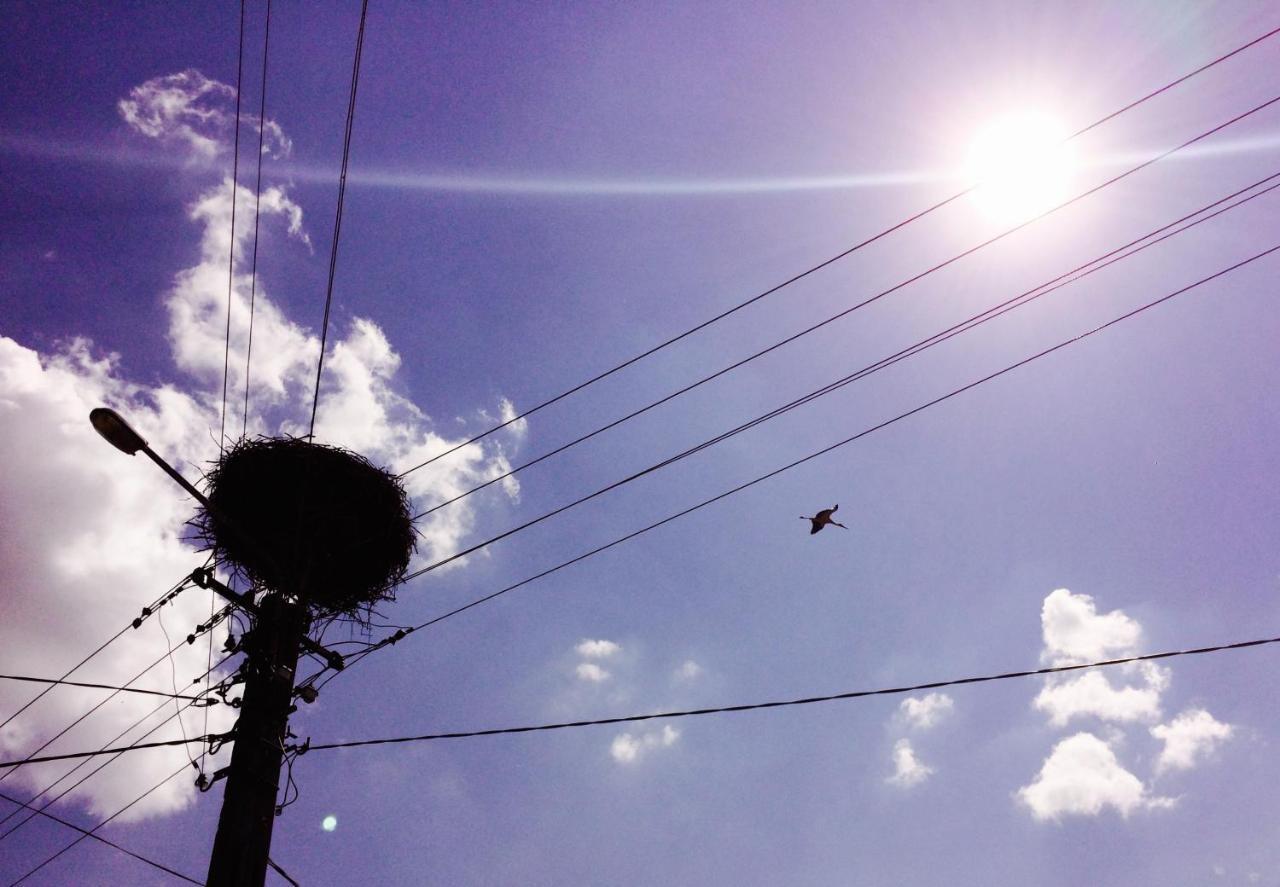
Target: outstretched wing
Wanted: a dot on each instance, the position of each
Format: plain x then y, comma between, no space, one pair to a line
815,528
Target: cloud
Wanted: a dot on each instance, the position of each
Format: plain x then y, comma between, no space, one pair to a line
1092,693
1191,735
1075,633
90,536
627,748
589,671
1082,777
688,671
927,711
602,649
908,770
189,108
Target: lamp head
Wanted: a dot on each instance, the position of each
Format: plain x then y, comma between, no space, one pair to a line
116,430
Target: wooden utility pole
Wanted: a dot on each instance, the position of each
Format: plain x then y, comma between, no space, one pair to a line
243,841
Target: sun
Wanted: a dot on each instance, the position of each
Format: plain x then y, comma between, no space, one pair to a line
1020,165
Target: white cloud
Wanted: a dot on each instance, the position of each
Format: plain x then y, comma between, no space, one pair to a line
589,649
688,671
1092,693
923,712
1074,632
1189,736
627,748
90,536
589,671
1082,777
908,770
191,109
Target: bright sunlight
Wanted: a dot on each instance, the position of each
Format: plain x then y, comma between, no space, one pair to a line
1020,165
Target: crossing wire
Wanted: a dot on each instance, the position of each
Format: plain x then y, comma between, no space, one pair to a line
823,264
63,683
402,633
473,548
71,825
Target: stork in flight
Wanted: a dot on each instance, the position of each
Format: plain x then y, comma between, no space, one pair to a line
822,518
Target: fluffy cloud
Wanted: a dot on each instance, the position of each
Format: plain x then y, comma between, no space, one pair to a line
908,770
1074,632
589,671
90,536
1082,777
1188,737
589,649
923,712
627,748
1092,693
190,109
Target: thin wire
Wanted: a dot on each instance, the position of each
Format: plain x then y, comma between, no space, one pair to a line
62,683
257,200
848,440
337,222
1024,298
32,760
73,756
838,316
175,588
768,292
173,675
281,872
90,832
71,825
808,700
231,259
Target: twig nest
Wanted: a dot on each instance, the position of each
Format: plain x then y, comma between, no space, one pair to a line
316,521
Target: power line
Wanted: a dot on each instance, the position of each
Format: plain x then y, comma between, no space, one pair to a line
257,201
1024,298
73,756
71,825
32,760
231,257
395,638
89,833
838,315
776,288
807,700
146,613
62,683
337,222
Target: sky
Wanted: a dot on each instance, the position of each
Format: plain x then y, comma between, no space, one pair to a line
538,192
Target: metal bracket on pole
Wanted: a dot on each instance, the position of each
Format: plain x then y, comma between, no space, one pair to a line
205,579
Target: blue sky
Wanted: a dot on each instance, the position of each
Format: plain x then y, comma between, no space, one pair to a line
537,193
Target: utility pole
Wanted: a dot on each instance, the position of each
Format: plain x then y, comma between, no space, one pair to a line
243,841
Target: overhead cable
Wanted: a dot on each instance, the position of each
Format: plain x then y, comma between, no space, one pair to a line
837,316
1131,248
833,259
62,683
231,256
785,703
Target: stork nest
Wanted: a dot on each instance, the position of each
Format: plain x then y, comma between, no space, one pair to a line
310,520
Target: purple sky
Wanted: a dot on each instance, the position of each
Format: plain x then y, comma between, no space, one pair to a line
537,193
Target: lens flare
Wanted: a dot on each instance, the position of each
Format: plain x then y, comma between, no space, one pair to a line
1020,165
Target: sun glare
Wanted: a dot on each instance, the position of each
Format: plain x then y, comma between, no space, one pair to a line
1020,166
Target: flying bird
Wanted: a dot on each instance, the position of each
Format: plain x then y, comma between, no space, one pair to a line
822,518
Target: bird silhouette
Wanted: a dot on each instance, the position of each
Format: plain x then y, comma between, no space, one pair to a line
822,518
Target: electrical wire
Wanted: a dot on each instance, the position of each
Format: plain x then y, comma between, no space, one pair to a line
89,833
71,825
231,258
174,589
62,683
833,259
1024,298
13,766
337,222
399,635
257,201
785,703
838,316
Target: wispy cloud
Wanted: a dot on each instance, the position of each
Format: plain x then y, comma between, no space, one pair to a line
628,748
908,770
